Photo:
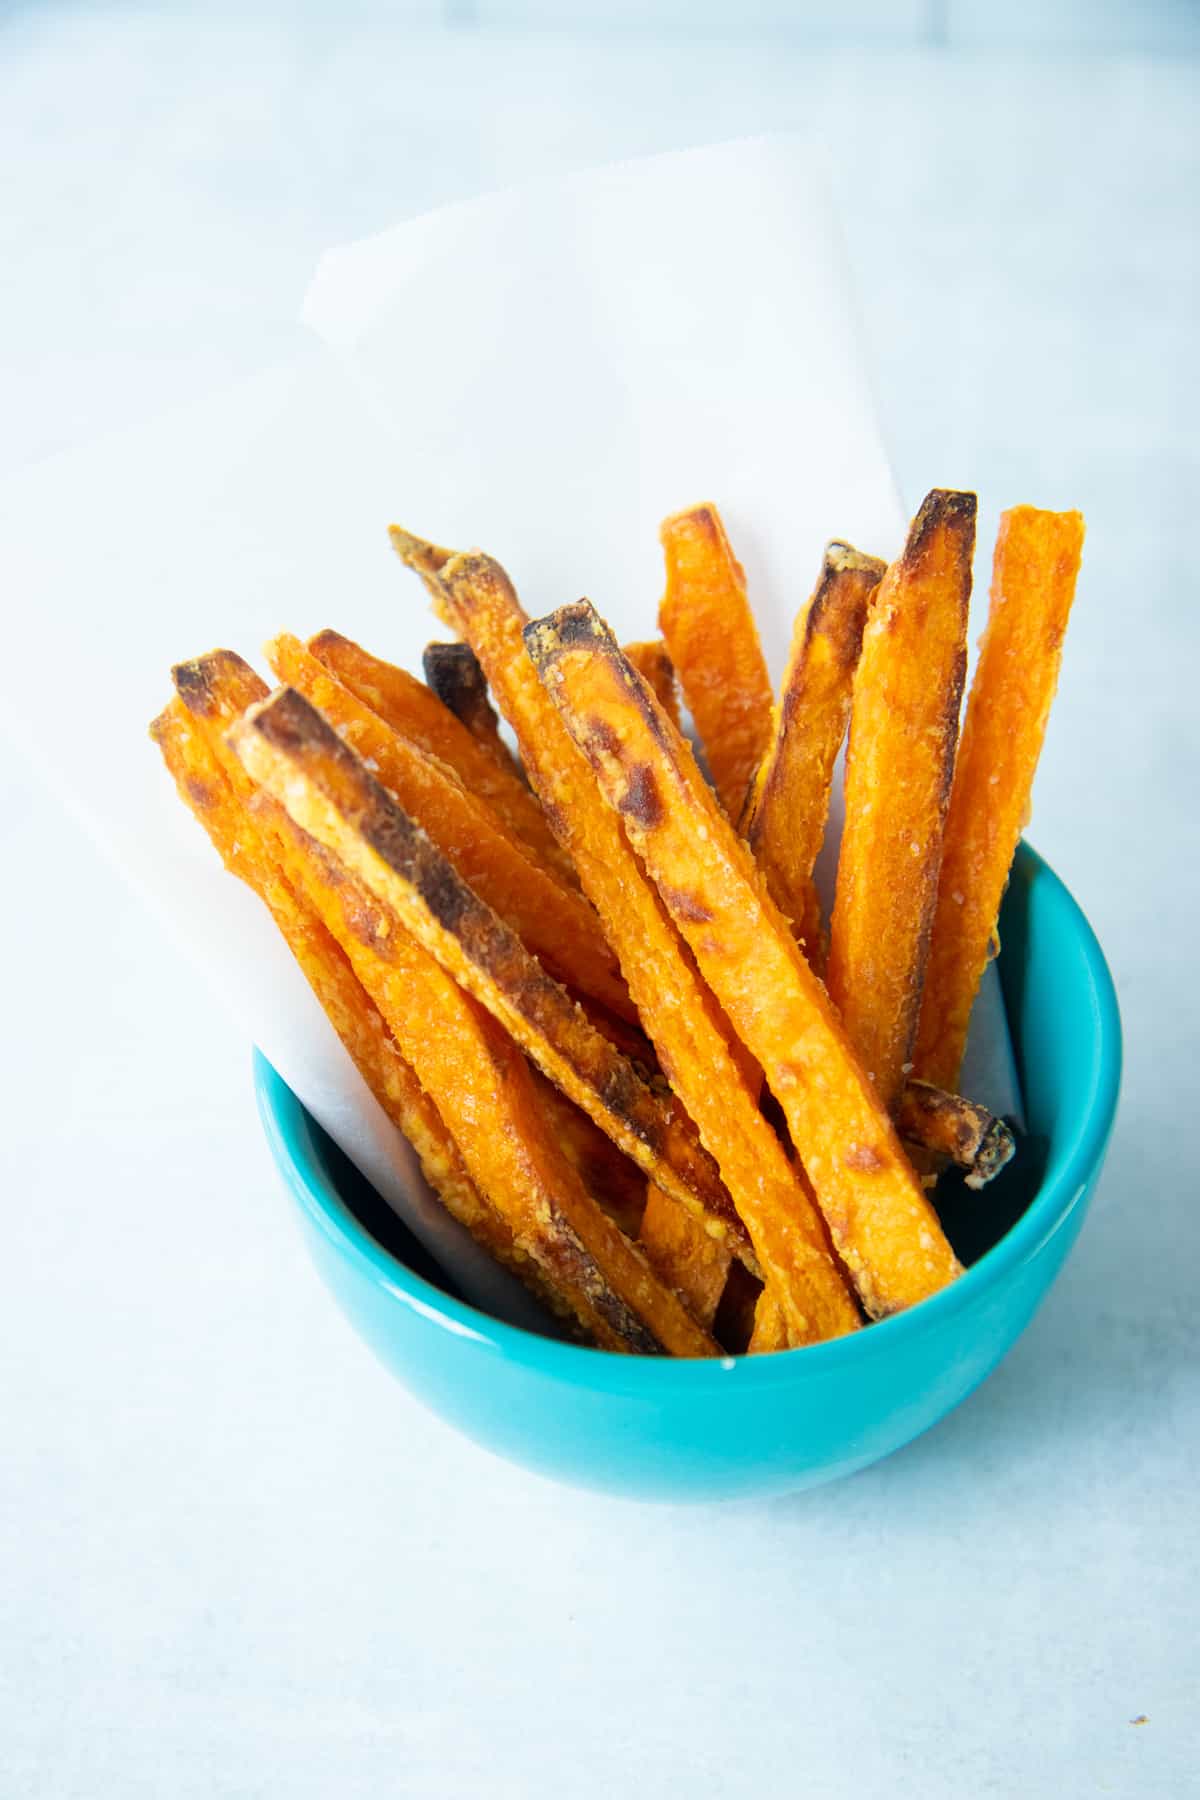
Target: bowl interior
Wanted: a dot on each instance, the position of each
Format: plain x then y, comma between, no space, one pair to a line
1065,1028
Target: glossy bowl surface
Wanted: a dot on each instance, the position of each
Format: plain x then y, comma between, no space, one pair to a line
665,1429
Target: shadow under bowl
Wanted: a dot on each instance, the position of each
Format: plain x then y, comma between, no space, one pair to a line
662,1428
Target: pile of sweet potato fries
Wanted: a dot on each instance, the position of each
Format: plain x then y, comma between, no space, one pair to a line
592,986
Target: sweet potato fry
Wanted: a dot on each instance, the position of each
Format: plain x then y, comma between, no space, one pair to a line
555,921
1033,584
484,1090
287,747
694,1044
903,730
652,660
959,1130
682,1254
408,706
770,1326
247,848
486,611
541,1247
883,1227
713,642
453,673
788,804
476,1077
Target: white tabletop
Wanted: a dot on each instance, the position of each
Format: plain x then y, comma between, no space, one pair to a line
236,1558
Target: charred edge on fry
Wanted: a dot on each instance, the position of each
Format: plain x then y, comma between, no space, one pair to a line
577,627
701,518
417,552
580,626
574,1263
570,628
843,559
996,1150
941,507
198,682
292,724
452,671
848,621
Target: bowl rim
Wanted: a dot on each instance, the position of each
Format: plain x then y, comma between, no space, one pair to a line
287,1125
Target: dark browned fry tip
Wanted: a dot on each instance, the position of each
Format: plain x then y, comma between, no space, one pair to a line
453,673
844,559
994,1152
574,627
467,575
328,640
702,516
290,722
579,626
943,509
218,684
417,552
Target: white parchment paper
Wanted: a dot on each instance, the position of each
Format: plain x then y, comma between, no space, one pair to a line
545,373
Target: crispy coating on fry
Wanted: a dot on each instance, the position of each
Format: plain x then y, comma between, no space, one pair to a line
713,642
652,660
486,1093
788,804
959,1130
453,673
484,1090
881,1223
555,921
475,597
718,1080
683,1255
290,750
217,687
1033,585
697,1051
409,707
247,846
903,731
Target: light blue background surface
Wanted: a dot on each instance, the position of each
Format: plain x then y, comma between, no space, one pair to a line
235,1558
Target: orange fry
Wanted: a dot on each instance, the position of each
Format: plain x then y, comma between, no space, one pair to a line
713,641
903,730
693,1041
786,810
287,747
682,1254
770,1331
480,604
408,706
882,1225
247,848
453,673
484,1090
1033,584
652,660
555,921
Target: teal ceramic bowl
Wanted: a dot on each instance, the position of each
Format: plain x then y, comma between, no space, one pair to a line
673,1430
